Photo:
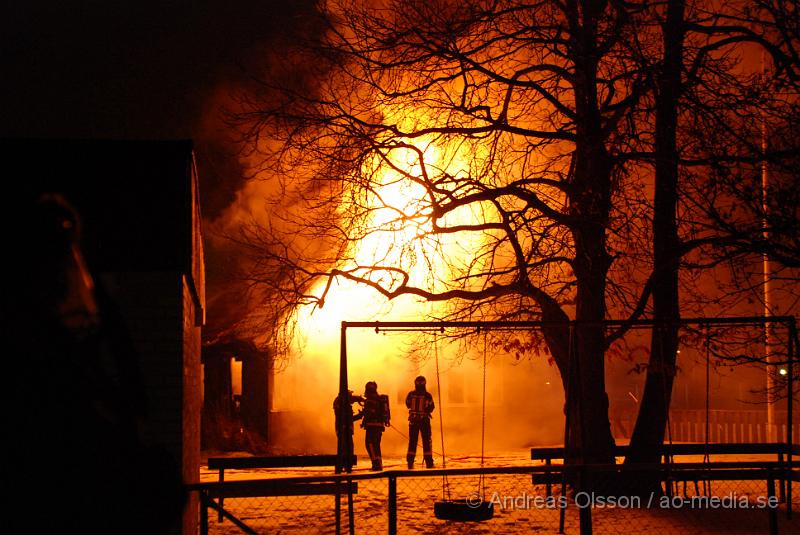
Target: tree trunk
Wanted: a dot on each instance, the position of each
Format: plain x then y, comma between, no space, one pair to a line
578,354
649,431
591,430
590,438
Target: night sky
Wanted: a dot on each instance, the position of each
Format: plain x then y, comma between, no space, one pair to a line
125,69
139,70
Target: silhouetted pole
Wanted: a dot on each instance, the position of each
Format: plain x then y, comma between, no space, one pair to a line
345,412
769,335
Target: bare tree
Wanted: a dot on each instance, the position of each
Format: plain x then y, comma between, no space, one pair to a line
711,109
496,118
521,133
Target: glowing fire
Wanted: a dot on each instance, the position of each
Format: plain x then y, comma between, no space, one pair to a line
402,240
305,390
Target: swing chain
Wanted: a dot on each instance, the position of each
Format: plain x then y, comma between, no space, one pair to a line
445,484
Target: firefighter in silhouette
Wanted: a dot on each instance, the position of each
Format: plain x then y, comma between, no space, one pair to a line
376,419
340,441
420,407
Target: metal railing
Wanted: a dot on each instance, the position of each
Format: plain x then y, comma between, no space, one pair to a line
685,497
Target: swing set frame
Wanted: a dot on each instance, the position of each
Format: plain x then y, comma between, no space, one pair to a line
344,447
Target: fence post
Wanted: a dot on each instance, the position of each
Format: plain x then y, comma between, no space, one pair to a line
392,505
338,507
584,513
773,511
221,499
563,501
203,513
350,516
789,481
781,479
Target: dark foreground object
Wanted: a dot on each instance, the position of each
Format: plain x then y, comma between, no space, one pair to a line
463,510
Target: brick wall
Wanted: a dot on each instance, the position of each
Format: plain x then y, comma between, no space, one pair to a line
160,313
192,400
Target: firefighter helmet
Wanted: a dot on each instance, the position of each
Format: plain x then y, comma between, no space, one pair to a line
420,381
371,385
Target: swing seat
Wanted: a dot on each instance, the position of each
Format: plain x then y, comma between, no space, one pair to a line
463,510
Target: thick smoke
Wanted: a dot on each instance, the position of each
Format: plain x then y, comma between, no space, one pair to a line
523,401
522,405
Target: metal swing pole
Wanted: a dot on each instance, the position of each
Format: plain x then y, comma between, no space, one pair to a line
445,483
706,438
345,446
482,481
706,457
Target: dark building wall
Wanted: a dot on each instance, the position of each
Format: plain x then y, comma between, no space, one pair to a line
136,199
140,212
151,305
161,313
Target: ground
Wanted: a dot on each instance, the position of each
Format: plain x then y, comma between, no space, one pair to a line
520,506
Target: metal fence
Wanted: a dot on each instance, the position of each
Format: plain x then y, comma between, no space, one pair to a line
687,498
725,426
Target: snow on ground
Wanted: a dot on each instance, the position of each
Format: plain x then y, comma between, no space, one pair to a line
520,506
